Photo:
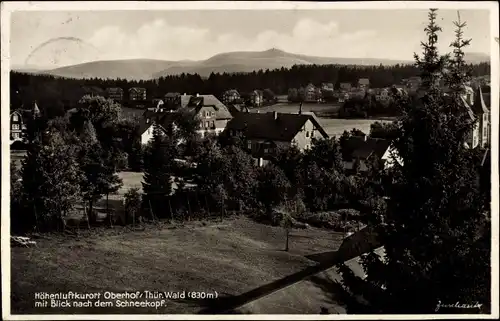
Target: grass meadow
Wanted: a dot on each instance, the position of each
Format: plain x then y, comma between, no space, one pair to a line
231,257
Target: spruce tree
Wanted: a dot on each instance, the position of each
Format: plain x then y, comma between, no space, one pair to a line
435,225
159,162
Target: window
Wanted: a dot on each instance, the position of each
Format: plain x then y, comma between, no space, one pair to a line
249,145
212,114
15,135
15,126
213,124
207,124
308,146
307,133
201,124
15,118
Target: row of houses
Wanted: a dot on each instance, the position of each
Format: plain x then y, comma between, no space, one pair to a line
326,91
117,93
255,98
263,133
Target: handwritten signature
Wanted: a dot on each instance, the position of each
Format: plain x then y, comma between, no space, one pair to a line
458,305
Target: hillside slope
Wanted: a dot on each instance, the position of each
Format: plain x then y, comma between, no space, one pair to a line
230,62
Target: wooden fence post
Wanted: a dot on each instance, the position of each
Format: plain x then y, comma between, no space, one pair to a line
189,207
171,212
208,206
151,210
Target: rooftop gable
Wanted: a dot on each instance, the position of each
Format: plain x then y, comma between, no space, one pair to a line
265,126
360,148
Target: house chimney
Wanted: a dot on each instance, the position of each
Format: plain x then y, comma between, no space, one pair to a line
275,115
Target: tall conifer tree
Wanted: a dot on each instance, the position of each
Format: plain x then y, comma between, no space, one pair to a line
435,227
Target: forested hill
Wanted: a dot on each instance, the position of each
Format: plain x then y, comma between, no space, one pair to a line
62,93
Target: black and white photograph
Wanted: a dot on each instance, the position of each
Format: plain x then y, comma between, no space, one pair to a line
282,160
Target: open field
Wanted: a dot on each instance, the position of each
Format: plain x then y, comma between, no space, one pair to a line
333,126
294,108
231,257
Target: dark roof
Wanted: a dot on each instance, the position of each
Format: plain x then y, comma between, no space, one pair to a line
196,102
161,118
487,100
263,125
486,158
358,147
468,108
137,89
232,92
237,108
111,89
172,94
92,89
480,106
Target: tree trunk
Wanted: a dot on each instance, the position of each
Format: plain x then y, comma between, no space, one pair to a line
63,221
287,231
110,218
86,213
36,218
222,210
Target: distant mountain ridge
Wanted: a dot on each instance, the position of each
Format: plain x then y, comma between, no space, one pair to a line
230,62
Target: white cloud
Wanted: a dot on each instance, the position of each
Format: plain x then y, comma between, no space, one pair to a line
160,40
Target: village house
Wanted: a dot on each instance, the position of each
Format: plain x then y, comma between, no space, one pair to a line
137,94
310,93
345,86
92,91
256,98
16,126
115,93
264,132
172,100
17,122
327,92
230,96
212,114
343,97
359,151
382,94
357,93
413,84
158,103
363,83
477,105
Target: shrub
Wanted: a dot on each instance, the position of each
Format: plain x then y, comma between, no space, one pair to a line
133,201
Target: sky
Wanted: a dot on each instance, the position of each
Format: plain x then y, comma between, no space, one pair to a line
82,36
